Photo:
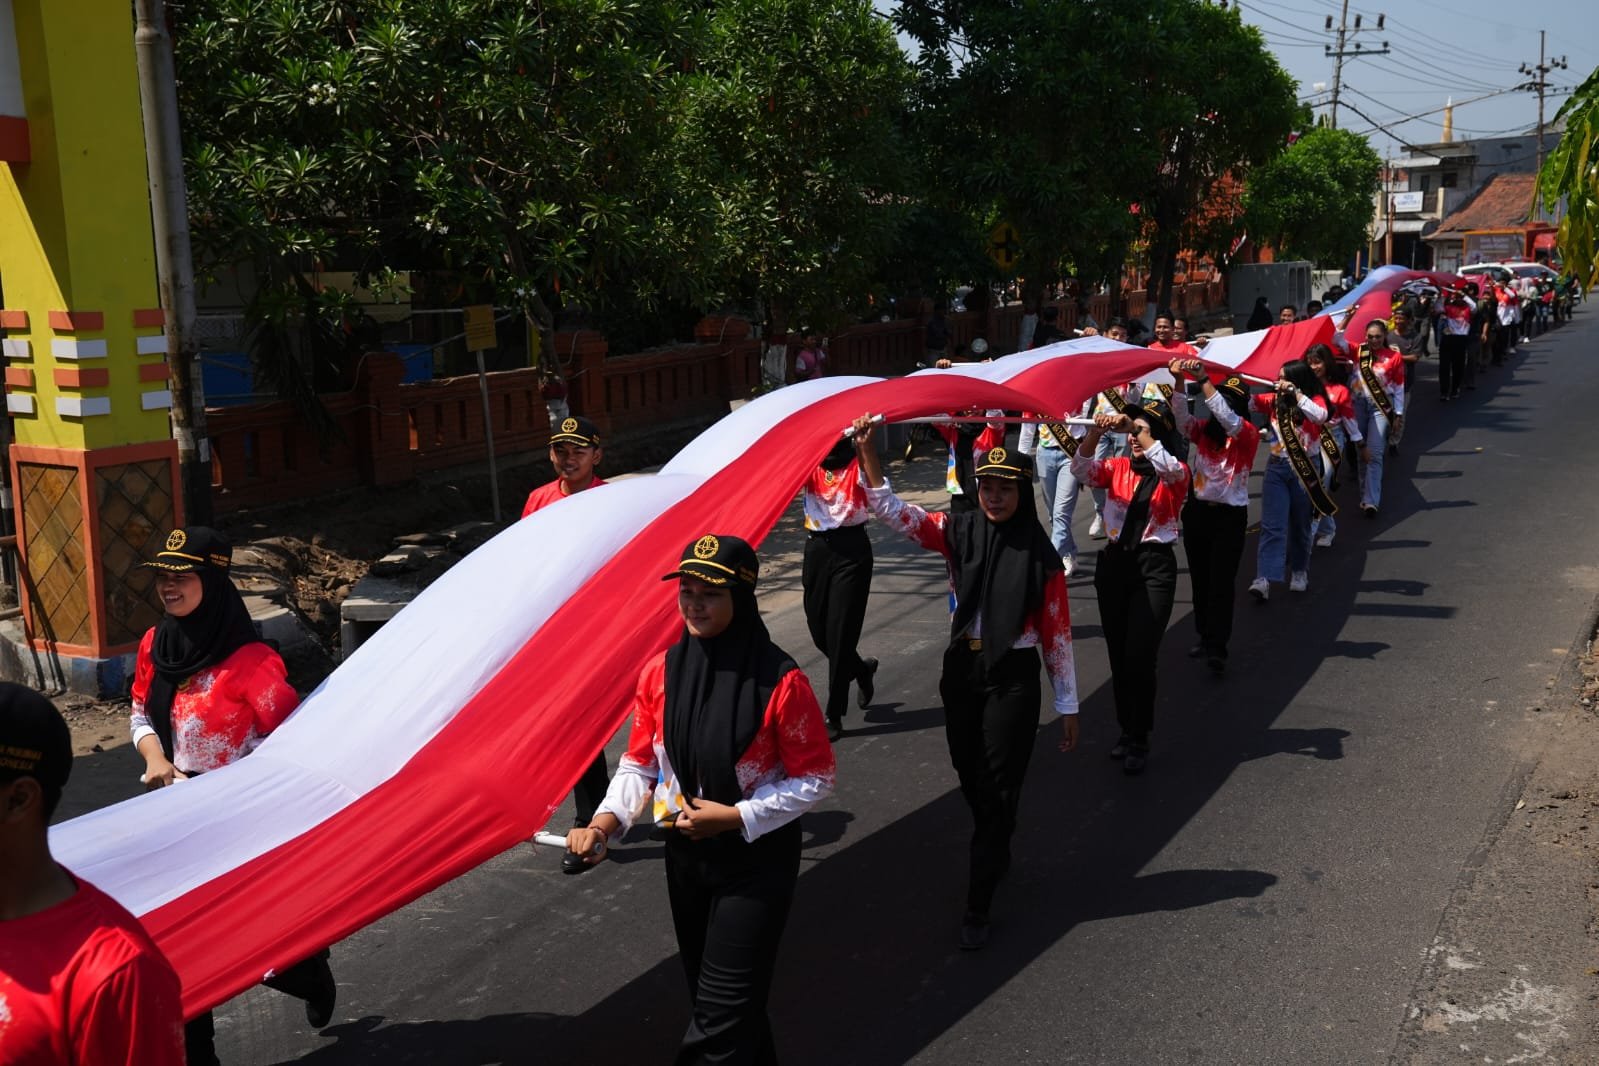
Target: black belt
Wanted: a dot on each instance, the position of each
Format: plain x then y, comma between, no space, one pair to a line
854,531
1118,546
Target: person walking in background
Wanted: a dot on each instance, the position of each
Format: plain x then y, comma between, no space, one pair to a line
1052,449
1260,317
1457,315
811,359
1379,396
1217,512
1010,610
1136,575
1292,491
837,577
1048,331
936,336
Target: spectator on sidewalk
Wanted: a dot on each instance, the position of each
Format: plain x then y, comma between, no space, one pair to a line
1048,331
811,359
81,982
1260,317
937,336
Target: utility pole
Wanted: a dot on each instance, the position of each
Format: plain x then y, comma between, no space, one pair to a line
1540,85
169,213
1339,54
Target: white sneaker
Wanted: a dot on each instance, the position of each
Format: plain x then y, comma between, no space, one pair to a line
1069,562
1324,540
1097,530
1299,582
1260,588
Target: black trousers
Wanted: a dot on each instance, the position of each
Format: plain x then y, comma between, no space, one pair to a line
589,792
990,719
1135,587
837,578
1501,343
1451,363
199,1033
730,902
1213,533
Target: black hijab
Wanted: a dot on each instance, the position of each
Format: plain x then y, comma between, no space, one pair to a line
716,695
1162,426
1000,571
183,647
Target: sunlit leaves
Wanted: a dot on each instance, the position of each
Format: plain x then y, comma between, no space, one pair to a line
1571,173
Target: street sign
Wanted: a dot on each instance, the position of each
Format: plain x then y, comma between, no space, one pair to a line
480,327
1004,246
1408,201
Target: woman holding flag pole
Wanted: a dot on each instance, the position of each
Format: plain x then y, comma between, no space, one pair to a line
1292,490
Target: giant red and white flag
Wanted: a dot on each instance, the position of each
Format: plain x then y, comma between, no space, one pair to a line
454,732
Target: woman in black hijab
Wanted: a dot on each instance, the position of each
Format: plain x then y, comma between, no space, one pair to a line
1010,607
837,578
206,691
729,740
1136,576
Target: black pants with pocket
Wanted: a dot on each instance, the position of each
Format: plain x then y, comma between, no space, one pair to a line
1213,534
837,578
730,902
990,721
1135,588
1451,364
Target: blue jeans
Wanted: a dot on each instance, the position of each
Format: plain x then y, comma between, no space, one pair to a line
1060,498
1285,513
1374,426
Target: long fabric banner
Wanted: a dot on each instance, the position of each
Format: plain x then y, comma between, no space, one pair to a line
454,732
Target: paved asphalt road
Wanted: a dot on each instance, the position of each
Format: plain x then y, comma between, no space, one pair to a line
1264,894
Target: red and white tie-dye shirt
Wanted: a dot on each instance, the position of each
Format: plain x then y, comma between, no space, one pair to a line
1048,628
221,713
1220,471
1309,428
992,436
1120,481
1389,367
787,768
836,498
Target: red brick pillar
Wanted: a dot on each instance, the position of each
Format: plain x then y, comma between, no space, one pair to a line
384,450
581,354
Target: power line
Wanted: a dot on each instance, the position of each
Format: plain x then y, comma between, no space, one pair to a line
1540,85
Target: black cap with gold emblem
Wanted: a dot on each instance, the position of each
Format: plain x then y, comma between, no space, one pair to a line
720,561
1159,416
1234,384
193,548
577,430
1004,463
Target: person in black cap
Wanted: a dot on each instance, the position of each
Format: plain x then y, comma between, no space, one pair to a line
1010,606
837,577
728,739
81,982
574,452
207,691
1136,575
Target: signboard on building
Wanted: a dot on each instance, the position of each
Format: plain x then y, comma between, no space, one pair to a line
1492,246
1408,202
480,332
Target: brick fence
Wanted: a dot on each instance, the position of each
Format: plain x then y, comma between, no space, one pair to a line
383,432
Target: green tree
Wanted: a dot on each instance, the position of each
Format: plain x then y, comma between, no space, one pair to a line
1315,201
791,122
1216,103
1028,113
1571,173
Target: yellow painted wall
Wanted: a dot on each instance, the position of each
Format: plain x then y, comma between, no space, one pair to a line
75,222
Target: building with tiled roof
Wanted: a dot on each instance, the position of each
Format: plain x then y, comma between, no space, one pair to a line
1498,221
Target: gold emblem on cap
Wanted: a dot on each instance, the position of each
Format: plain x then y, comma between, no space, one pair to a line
1234,383
176,540
569,426
706,547
997,456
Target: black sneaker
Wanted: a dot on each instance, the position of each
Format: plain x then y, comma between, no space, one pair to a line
1137,759
1197,651
1217,664
866,683
1123,745
835,727
974,931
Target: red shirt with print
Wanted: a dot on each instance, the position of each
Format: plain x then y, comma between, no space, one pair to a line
221,713
82,984
545,495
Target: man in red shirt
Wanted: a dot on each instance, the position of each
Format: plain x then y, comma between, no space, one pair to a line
1166,340
574,452
81,982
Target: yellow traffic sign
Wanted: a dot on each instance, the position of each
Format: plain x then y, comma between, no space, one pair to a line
1005,246
480,328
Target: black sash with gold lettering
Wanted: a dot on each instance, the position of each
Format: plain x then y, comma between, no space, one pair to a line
1329,445
1374,389
1115,398
1299,459
1063,437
